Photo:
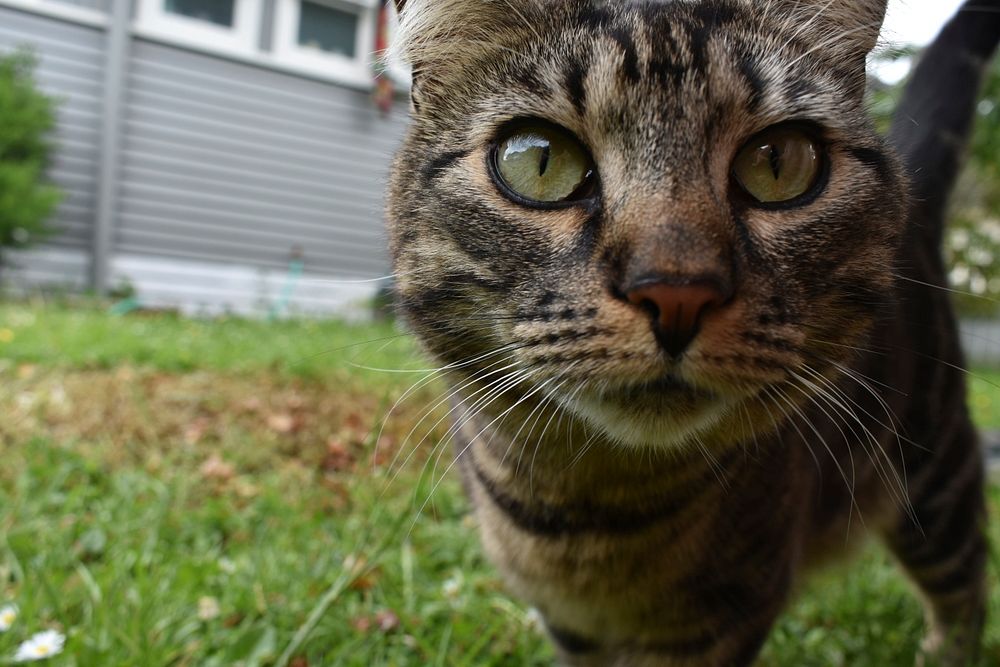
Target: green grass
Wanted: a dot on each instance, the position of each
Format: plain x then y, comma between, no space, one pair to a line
152,464
89,337
177,492
984,398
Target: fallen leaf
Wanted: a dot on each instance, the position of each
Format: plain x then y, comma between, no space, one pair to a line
216,469
365,582
354,421
282,423
387,620
246,490
252,404
385,450
233,620
364,579
195,431
338,457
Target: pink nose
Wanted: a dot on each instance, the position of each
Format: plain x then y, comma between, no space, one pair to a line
676,310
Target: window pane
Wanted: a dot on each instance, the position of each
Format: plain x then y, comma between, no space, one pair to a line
219,12
328,29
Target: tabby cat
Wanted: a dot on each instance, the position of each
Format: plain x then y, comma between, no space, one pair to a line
690,306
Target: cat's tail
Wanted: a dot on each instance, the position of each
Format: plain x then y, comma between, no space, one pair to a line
931,127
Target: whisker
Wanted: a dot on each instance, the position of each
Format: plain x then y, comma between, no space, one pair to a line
503,385
539,409
885,470
546,401
850,484
950,290
487,388
712,461
471,442
430,377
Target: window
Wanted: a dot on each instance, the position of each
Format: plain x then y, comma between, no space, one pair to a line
219,12
328,29
329,38
215,25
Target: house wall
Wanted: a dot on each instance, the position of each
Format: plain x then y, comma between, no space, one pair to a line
981,342
223,161
226,172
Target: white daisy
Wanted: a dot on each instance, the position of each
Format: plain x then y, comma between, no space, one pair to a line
40,646
208,608
452,587
8,614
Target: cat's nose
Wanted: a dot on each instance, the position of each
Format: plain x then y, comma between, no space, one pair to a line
676,309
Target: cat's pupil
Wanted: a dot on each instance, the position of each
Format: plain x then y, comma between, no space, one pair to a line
543,162
775,160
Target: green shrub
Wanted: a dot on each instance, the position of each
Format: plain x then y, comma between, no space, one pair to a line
27,117
972,239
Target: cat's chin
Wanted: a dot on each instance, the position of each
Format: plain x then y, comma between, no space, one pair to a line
663,415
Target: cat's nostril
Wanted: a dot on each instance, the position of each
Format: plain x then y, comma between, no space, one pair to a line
676,310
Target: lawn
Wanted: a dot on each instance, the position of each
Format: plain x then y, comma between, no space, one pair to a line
178,492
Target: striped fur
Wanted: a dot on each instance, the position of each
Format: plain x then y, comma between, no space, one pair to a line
660,511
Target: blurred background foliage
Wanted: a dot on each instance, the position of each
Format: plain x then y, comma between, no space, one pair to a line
972,244
27,120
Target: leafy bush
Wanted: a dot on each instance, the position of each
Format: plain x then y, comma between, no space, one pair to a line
973,243
27,117
972,240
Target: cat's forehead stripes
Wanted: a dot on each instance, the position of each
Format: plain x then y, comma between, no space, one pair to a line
680,45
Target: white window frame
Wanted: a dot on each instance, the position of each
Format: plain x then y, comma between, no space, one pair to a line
400,71
242,38
353,71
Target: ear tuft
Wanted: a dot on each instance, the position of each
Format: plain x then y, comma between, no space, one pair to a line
846,29
443,38
441,32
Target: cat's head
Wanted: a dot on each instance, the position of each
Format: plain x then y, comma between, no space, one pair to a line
656,214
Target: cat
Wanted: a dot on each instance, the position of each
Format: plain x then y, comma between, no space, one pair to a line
690,306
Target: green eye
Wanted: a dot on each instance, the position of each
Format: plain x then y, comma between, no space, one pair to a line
544,164
779,165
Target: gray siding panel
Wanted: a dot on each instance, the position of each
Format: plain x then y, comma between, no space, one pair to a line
100,5
224,161
212,152
70,61
981,342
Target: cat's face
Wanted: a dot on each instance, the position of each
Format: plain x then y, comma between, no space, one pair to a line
656,212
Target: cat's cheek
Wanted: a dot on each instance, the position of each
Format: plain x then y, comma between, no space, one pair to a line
562,230
778,232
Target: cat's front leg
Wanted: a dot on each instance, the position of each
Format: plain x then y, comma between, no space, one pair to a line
738,649
941,543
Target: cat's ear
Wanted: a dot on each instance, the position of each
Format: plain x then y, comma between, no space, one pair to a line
842,28
441,38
